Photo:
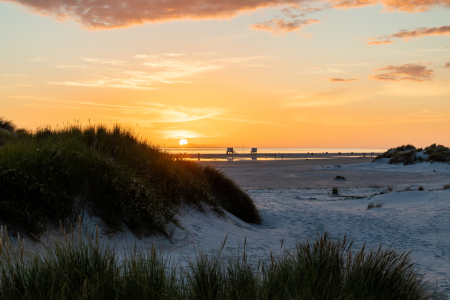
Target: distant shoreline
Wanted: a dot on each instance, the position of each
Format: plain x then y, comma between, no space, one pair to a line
275,156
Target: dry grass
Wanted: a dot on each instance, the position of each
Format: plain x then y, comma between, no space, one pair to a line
373,205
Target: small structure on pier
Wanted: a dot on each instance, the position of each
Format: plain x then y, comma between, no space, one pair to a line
230,151
254,151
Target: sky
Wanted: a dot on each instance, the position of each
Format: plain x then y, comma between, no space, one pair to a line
264,73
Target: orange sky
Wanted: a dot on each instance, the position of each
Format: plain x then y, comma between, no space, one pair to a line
339,74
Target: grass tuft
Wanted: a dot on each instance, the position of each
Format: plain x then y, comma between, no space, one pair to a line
374,204
86,268
335,190
7,124
420,188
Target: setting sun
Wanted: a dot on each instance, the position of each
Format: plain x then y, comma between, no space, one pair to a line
183,142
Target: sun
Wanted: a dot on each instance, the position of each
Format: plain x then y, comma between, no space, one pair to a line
183,142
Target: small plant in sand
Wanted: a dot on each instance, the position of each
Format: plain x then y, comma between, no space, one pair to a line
374,204
335,190
339,178
420,188
407,188
390,188
447,186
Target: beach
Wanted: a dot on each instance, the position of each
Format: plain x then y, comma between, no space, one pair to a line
302,173
296,203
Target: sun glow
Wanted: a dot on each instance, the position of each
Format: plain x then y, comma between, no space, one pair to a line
183,142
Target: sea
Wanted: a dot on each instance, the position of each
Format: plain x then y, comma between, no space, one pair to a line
245,150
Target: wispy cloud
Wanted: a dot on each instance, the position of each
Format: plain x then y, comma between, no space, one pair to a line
377,43
280,27
389,5
154,112
326,98
408,34
342,79
404,72
148,71
321,70
179,134
38,59
72,67
416,117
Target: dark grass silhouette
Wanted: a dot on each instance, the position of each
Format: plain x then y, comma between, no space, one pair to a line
86,268
52,175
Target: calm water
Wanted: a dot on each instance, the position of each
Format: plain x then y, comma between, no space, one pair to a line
246,150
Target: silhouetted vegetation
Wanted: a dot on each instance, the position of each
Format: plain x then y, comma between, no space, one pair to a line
408,154
85,268
373,204
54,174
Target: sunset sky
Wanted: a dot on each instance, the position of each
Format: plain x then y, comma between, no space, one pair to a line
267,73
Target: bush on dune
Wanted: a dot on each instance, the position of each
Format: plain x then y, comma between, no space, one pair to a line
408,154
54,174
438,153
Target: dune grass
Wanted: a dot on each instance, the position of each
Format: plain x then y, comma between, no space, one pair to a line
6,124
335,190
373,204
407,154
86,268
52,175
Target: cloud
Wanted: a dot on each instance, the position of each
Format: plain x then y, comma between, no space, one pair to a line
102,14
38,59
153,112
380,42
326,70
301,11
178,134
406,34
148,71
404,72
71,67
341,79
325,98
397,5
416,117
447,65
280,27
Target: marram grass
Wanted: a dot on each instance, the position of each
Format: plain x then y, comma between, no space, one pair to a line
54,174
85,268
